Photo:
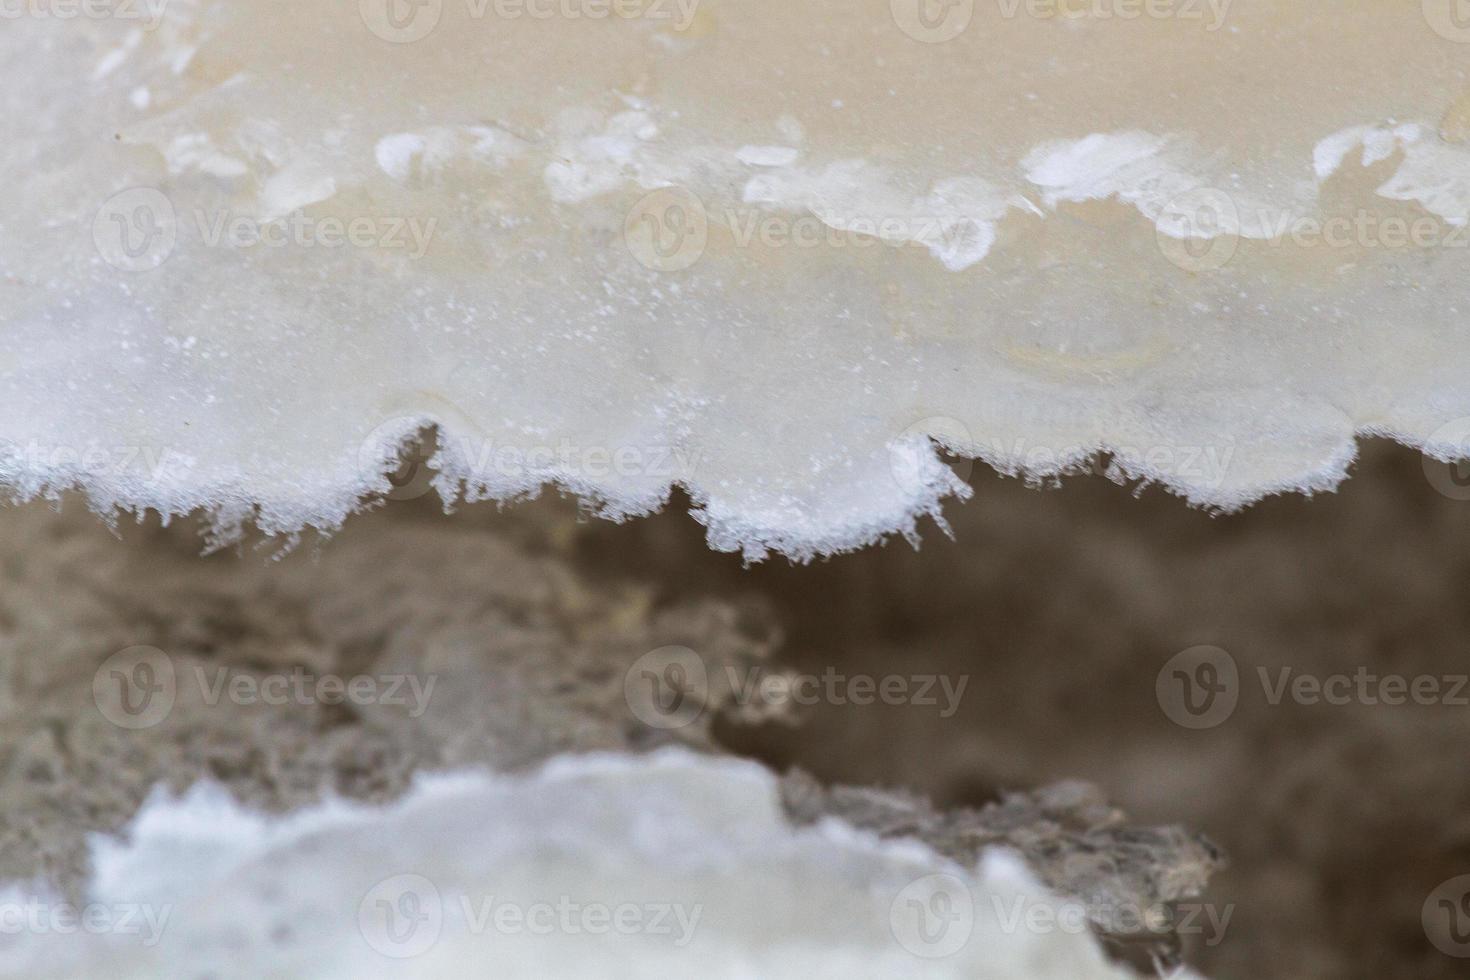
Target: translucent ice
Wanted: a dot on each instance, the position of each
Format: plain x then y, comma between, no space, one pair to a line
672,864
773,253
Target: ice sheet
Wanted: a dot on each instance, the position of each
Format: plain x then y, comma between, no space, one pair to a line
773,253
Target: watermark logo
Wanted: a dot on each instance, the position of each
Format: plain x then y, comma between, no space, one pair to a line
1042,917
667,688
157,463
1211,13
1450,479
1363,687
135,688
1446,917
957,240
572,917
1450,19
911,458
149,13
482,461
303,688
138,687
932,21
401,916
774,691
933,917
406,21
39,917
136,230
401,21
679,14
1203,466
667,230
1199,687
410,476
223,229
405,916
671,687
1199,230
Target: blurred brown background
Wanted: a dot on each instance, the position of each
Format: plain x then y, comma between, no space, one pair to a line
1063,605
1056,608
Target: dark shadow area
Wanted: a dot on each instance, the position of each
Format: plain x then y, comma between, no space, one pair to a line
1058,609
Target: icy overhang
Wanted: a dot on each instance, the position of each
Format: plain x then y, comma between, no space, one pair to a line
773,253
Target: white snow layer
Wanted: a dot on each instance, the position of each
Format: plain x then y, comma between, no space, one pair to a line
609,866
776,256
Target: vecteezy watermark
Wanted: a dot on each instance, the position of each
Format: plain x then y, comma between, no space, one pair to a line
138,229
760,687
1450,19
1363,687
1028,914
389,449
299,686
937,21
670,687
408,234
667,230
137,687
396,449
933,917
932,21
667,688
1200,688
1200,466
1201,230
135,230
945,234
38,916
913,462
96,459
1446,917
401,21
1366,229
1210,13
405,916
679,14
147,14
406,21
1450,474
401,916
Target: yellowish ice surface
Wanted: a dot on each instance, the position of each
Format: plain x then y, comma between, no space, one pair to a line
771,252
